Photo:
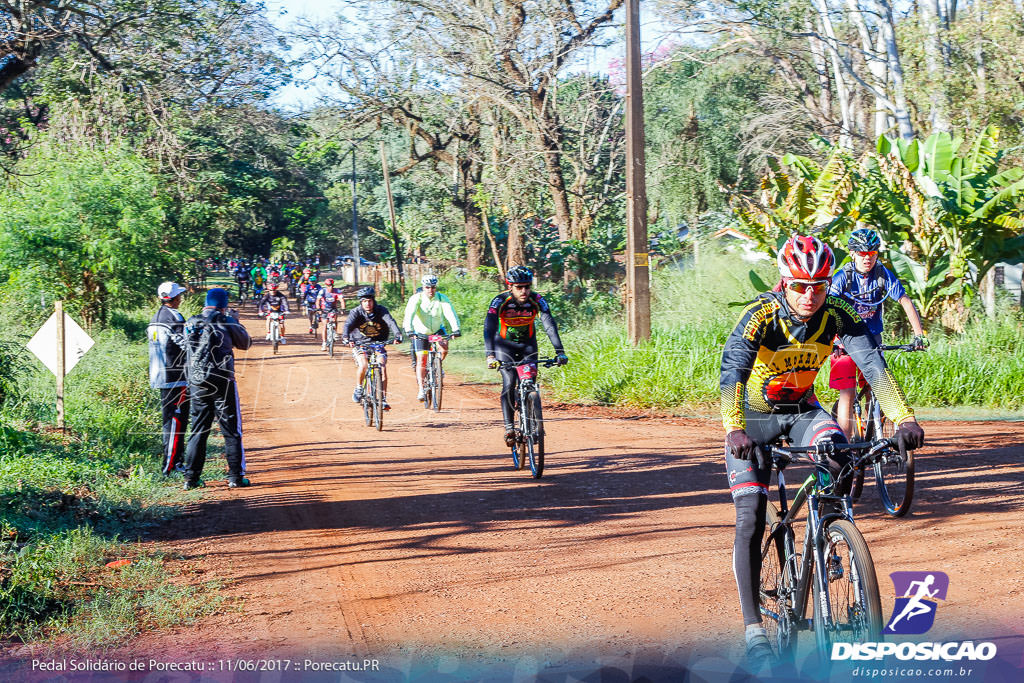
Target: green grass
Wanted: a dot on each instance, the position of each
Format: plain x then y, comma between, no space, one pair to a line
68,503
694,310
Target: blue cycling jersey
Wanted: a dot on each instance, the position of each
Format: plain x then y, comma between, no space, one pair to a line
867,292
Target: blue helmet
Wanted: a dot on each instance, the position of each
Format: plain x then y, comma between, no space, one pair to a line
367,293
864,239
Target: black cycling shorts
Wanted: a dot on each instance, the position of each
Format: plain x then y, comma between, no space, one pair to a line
810,424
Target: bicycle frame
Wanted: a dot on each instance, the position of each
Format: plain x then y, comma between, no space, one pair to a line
819,486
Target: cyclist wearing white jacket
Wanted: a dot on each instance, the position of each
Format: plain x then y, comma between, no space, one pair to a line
428,312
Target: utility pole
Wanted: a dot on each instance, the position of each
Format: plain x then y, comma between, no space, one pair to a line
638,277
355,222
394,223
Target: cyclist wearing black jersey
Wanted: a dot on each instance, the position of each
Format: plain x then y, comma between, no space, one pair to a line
769,364
510,334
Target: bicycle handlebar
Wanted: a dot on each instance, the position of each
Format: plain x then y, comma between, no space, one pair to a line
899,347
546,362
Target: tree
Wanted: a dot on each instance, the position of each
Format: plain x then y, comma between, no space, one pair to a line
94,222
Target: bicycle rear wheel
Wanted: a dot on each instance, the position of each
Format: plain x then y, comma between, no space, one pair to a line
776,588
330,341
378,400
534,433
851,590
894,476
437,388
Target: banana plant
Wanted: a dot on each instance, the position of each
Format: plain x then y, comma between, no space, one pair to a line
801,195
951,204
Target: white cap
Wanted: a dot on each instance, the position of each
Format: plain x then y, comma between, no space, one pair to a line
168,290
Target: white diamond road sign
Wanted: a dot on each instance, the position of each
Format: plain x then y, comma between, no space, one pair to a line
44,343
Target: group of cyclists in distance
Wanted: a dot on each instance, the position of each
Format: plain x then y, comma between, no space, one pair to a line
769,364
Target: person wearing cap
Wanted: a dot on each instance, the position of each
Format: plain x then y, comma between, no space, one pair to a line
167,372
427,313
215,396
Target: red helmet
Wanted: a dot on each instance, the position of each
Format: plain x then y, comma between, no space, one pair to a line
805,258
274,286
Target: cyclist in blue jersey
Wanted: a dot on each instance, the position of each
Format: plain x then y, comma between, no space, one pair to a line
309,300
867,284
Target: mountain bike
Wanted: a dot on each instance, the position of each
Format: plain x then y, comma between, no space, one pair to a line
833,562
331,333
373,384
529,418
433,383
243,289
275,329
894,473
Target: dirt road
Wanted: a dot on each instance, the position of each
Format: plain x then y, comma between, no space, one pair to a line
421,541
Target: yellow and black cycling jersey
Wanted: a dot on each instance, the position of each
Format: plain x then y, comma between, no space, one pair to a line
771,358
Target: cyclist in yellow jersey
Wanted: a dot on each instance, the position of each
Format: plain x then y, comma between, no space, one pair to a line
767,382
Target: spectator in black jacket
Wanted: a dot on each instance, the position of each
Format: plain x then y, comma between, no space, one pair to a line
167,372
212,337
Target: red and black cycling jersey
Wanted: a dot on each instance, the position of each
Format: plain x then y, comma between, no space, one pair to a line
515,323
771,358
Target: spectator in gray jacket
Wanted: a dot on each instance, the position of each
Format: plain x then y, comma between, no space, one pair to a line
211,338
167,372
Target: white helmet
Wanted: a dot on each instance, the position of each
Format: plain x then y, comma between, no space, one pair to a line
429,281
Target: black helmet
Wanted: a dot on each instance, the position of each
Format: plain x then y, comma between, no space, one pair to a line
367,293
519,275
864,239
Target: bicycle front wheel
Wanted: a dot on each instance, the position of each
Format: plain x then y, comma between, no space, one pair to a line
851,590
367,402
378,400
534,433
438,384
776,588
894,476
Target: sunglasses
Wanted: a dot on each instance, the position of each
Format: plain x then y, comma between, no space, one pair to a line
865,254
801,286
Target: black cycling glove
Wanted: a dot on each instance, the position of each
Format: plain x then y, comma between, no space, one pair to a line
741,445
910,436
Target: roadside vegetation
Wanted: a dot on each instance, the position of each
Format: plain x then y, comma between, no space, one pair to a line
693,311
72,503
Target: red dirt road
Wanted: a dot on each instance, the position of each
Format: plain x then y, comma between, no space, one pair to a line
422,539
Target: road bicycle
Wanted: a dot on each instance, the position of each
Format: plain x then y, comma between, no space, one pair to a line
275,328
433,383
529,418
894,473
373,383
833,563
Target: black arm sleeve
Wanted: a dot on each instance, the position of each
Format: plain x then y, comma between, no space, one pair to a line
351,322
491,325
390,320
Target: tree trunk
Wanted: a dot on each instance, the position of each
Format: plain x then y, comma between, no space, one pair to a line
933,55
842,92
888,28
548,133
980,70
516,252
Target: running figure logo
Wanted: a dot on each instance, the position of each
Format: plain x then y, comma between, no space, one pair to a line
917,598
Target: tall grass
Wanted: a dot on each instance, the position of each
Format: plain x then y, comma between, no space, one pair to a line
693,312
